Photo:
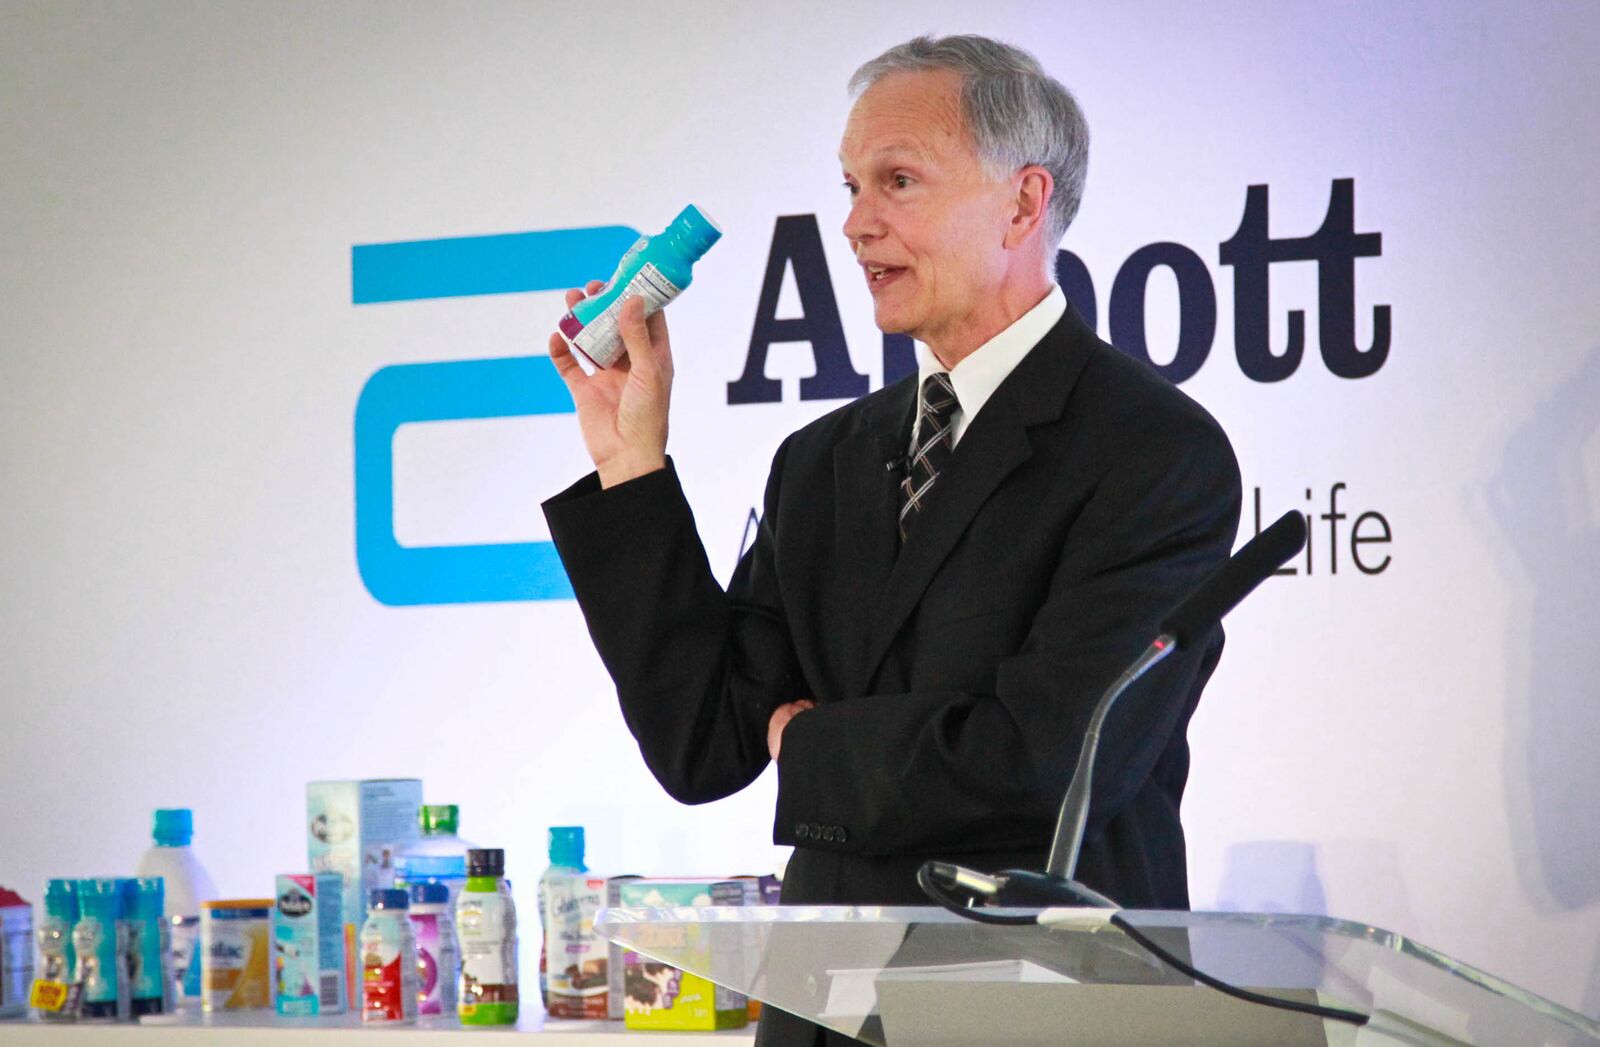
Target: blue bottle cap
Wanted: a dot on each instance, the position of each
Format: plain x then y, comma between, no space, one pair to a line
174,827
430,893
697,229
389,898
566,845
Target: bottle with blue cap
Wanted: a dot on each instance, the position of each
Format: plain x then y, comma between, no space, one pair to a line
187,884
565,844
656,268
388,952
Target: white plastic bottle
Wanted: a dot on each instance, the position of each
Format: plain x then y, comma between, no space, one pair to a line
388,960
187,885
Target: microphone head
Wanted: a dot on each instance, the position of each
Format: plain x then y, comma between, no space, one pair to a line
1192,619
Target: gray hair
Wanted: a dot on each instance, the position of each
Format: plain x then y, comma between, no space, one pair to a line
1018,113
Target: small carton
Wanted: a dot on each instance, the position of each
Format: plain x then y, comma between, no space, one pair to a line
659,996
575,956
356,828
308,944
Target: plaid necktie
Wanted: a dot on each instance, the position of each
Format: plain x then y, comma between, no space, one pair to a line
931,450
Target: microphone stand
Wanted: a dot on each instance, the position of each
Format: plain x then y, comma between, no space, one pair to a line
1184,627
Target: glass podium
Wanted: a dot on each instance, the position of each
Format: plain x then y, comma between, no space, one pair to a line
913,977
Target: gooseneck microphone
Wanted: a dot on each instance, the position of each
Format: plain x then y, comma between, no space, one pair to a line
1182,628
957,889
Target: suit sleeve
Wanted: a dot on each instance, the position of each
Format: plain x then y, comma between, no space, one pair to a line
949,772
698,672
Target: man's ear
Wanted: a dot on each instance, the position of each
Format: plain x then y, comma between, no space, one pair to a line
1033,186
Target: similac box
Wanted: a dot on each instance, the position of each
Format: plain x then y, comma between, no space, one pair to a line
356,828
308,944
659,996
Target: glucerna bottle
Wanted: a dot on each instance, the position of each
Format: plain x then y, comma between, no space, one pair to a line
656,268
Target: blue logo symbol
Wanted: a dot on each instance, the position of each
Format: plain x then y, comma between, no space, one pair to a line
507,263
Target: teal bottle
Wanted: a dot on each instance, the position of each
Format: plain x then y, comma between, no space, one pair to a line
656,268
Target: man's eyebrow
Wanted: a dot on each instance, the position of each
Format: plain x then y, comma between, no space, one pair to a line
892,151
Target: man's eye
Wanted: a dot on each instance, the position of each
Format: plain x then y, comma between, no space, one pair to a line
902,181
850,188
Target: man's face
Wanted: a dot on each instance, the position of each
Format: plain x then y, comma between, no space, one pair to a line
926,223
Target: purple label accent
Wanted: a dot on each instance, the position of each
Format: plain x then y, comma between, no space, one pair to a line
570,325
426,928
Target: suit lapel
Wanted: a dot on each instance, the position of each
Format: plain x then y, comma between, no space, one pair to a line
866,506
994,446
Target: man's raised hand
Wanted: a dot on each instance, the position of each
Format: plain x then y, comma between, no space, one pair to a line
622,410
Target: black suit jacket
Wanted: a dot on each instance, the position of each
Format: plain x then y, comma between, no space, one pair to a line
955,675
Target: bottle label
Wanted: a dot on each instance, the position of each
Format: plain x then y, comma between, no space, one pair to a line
577,956
388,991
435,965
149,947
102,951
186,956
487,935
601,339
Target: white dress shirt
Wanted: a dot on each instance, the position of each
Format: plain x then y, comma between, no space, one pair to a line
980,373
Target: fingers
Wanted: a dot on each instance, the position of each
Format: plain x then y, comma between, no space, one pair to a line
566,364
635,333
589,290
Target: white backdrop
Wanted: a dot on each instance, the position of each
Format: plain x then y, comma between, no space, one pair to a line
182,620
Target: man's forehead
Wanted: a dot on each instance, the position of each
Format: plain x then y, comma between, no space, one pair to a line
908,113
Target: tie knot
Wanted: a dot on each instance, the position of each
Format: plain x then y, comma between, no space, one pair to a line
939,397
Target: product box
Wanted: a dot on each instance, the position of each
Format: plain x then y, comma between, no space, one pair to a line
576,957
308,944
16,953
235,954
657,996
356,829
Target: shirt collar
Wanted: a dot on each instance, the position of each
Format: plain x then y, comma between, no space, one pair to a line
980,373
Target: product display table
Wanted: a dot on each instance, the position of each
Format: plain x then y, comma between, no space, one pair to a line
262,1030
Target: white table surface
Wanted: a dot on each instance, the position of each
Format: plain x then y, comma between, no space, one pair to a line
263,1028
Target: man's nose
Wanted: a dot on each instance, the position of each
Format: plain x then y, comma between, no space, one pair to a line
863,222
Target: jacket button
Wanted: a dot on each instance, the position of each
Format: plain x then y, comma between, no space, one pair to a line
839,835
802,831
827,834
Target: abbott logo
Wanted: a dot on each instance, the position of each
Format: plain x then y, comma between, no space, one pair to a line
507,387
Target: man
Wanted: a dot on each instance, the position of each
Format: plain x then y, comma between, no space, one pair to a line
948,571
